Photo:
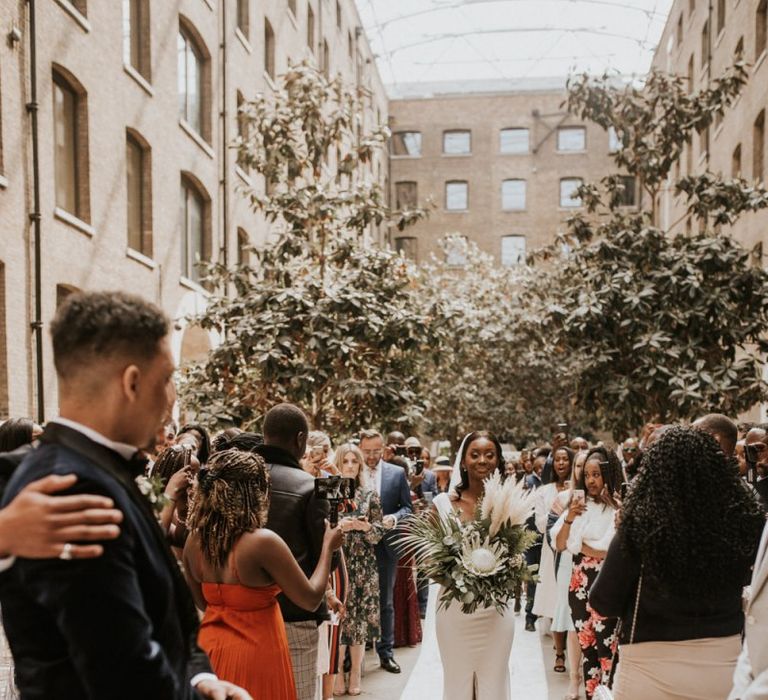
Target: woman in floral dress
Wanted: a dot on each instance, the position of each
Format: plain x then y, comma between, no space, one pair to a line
586,529
363,527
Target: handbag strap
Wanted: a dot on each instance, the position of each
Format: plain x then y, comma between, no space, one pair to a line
637,605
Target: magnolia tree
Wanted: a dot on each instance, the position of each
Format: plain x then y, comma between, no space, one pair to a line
655,324
319,316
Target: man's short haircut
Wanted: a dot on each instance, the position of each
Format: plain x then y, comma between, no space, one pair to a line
370,434
90,327
717,423
283,423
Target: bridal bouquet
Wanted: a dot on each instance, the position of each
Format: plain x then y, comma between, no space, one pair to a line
480,563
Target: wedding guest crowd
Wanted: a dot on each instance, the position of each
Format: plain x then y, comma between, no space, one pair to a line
645,550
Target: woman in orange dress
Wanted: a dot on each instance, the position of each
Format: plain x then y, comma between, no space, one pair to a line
236,568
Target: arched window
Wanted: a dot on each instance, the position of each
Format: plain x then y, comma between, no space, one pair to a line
70,117
194,66
196,243
761,27
269,49
242,130
243,247
138,158
243,17
136,35
758,147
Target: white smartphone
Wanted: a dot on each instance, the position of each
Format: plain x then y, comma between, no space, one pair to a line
578,495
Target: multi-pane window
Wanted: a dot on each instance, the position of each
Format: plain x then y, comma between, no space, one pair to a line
568,187
457,142
629,191
512,250
136,36
514,141
326,58
513,194
190,65
310,28
457,195
758,147
407,245
195,237
738,53
269,49
338,14
406,195
70,117
691,74
243,17
761,27
720,15
705,44
614,142
139,195
243,247
65,125
679,32
571,138
242,130
736,162
406,143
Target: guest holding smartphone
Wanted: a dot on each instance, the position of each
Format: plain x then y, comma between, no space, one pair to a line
586,529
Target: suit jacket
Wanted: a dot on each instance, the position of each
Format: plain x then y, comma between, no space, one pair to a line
120,626
299,518
429,483
750,680
395,500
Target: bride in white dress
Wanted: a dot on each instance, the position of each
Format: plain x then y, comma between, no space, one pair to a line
474,649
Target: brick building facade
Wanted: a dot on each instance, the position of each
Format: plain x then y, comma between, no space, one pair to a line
700,40
137,105
498,159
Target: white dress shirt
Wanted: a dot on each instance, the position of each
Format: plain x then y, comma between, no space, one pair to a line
374,476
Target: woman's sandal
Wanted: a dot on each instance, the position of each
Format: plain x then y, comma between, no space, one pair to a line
559,663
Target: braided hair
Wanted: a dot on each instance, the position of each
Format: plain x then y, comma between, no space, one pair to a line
689,518
610,469
231,497
171,460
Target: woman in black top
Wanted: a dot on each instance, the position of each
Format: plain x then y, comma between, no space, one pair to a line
687,537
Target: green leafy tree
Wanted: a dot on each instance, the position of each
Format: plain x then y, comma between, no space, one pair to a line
656,324
490,374
320,317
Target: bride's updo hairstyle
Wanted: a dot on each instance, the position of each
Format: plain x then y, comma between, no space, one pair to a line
463,485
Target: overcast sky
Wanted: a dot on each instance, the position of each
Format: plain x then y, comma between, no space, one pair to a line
429,40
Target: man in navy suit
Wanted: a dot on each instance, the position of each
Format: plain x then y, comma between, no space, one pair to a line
391,484
121,625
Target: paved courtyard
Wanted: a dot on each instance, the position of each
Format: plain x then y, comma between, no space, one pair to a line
531,665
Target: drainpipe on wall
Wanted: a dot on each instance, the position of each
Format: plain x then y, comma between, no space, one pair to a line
34,216
224,140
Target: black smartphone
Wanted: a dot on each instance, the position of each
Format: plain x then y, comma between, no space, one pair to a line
419,466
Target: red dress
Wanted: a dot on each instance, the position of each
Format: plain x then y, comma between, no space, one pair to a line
244,636
406,603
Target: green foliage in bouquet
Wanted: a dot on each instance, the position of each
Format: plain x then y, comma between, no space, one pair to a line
479,563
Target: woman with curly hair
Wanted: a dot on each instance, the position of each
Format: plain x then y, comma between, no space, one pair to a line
675,571
586,529
236,568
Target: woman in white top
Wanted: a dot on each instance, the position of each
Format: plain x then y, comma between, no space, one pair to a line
586,529
545,602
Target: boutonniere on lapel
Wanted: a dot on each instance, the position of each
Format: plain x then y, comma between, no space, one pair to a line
153,489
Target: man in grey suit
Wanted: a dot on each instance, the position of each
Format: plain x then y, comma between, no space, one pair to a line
391,484
750,680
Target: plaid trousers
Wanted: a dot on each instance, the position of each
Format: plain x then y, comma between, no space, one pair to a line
303,639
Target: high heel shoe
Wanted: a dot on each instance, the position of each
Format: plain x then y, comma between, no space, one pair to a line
573,689
354,684
559,663
339,687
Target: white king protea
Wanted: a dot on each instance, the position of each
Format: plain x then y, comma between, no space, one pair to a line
506,502
481,558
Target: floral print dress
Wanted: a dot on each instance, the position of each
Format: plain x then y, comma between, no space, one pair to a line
362,619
